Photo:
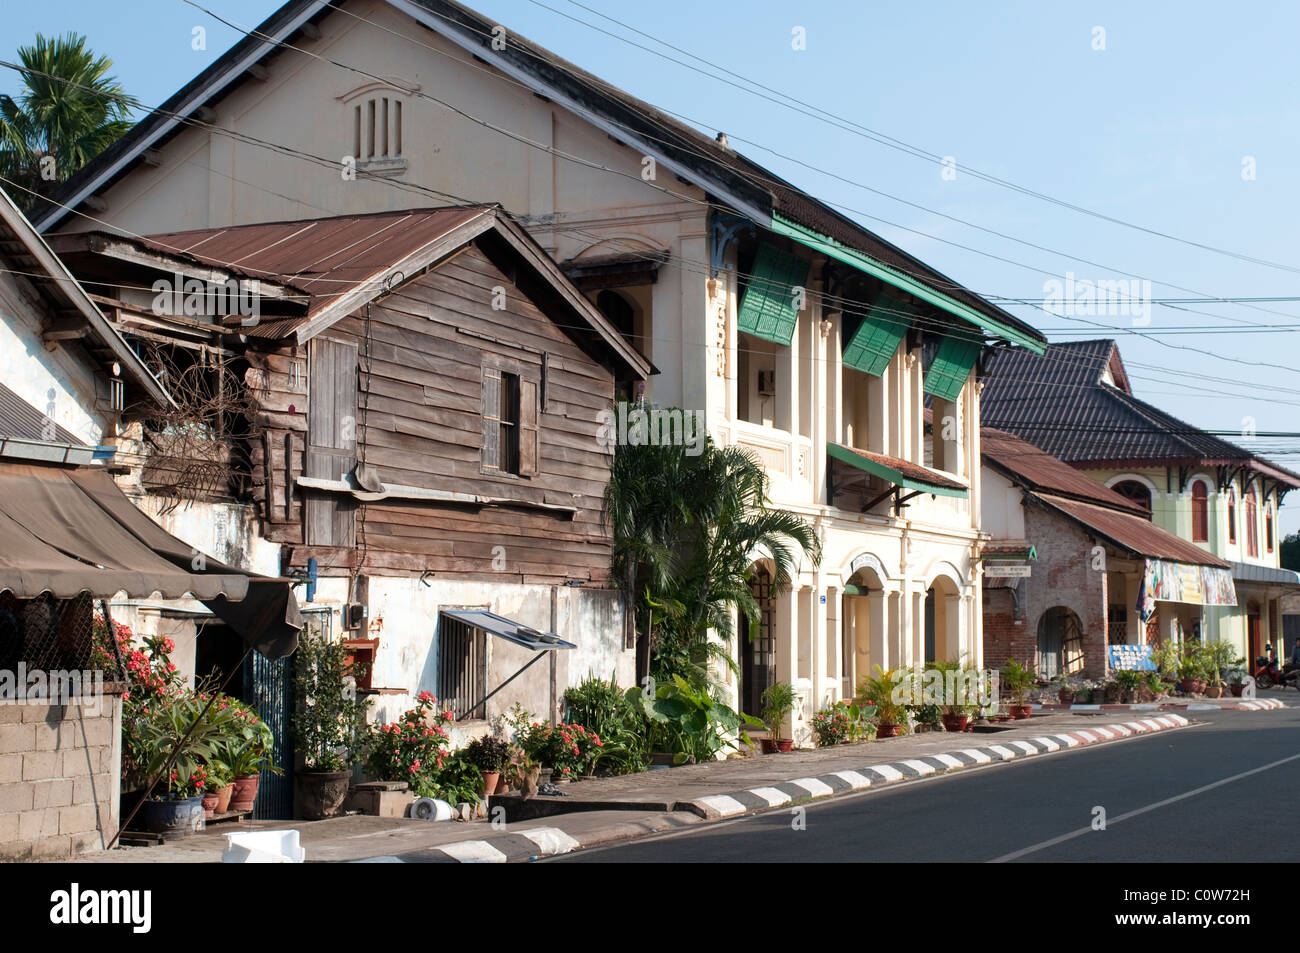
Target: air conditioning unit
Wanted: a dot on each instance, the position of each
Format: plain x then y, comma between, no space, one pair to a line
767,383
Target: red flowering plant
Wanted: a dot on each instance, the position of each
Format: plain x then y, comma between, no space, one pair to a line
413,748
569,750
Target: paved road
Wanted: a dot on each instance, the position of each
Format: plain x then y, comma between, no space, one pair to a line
1042,809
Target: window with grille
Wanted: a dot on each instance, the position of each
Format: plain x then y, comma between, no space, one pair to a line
1200,513
462,668
1135,491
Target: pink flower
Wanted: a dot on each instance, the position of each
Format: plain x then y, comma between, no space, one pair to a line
426,696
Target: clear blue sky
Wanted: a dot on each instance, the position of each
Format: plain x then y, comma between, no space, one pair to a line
1152,130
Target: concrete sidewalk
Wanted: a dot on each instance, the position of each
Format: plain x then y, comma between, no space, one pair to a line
603,810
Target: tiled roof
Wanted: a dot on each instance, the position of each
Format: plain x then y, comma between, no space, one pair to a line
1061,403
1038,470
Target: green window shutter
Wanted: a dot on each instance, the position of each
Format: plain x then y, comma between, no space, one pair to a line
871,346
767,310
952,365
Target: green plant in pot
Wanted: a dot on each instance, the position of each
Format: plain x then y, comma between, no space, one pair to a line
1018,680
883,693
1192,670
1219,658
329,721
489,754
778,702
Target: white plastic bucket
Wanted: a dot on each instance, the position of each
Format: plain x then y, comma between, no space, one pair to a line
263,847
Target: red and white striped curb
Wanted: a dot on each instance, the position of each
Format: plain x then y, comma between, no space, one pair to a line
1244,704
842,782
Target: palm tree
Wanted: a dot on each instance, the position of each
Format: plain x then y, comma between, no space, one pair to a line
686,530
734,523
70,110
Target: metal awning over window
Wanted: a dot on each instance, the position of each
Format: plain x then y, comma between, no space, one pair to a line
462,663
769,308
855,464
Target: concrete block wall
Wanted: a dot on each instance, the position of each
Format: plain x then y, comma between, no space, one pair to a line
60,775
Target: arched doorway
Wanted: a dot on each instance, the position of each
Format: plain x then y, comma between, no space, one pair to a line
942,635
1060,643
757,653
864,625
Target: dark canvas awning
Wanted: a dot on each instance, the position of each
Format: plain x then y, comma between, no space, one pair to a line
68,531
509,630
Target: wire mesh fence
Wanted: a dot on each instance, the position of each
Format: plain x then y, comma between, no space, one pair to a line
51,646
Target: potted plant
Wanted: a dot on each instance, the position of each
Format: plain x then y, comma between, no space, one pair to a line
882,692
778,702
1019,679
1191,670
489,754
245,751
1066,690
925,717
836,724
1236,681
328,723
1220,658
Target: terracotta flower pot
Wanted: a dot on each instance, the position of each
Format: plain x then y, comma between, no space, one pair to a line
954,722
223,798
784,744
1237,688
886,731
1020,712
767,745
490,781
245,792
1213,691
210,799
1065,698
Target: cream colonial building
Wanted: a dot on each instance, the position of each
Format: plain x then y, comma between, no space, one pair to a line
794,331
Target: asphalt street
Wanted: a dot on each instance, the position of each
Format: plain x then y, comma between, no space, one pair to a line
1221,790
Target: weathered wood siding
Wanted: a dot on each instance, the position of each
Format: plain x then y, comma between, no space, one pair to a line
420,423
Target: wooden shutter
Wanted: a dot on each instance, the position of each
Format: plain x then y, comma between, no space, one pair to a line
491,419
331,440
951,366
529,458
767,309
874,341
1200,513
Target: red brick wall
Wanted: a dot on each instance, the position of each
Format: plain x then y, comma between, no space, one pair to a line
1063,575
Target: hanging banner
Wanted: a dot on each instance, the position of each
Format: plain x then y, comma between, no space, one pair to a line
1168,581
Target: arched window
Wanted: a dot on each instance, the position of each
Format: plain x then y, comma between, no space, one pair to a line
1252,520
1200,513
1232,516
1060,643
1136,491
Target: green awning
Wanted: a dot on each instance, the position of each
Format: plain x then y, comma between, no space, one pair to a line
913,286
902,473
873,343
951,366
768,308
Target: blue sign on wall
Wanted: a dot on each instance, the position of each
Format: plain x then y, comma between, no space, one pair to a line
1134,657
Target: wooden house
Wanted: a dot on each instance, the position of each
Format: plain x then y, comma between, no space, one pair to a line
419,395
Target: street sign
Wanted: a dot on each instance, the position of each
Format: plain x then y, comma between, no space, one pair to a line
1021,572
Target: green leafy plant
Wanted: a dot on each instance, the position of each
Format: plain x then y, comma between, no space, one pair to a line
329,718
883,691
778,702
1129,683
1219,657
413,748
488,753
1018,679
838,723
692,725
456,782
616,717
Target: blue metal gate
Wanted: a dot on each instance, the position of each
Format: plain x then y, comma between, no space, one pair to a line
268,688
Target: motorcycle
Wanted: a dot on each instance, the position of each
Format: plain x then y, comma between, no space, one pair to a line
1267,674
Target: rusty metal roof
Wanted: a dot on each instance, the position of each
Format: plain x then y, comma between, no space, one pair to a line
913,472
323,257
1131,532
1039,470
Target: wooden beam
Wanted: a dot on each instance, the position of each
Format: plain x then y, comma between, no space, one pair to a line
95,203
205,114
259,72
151,157
64,328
